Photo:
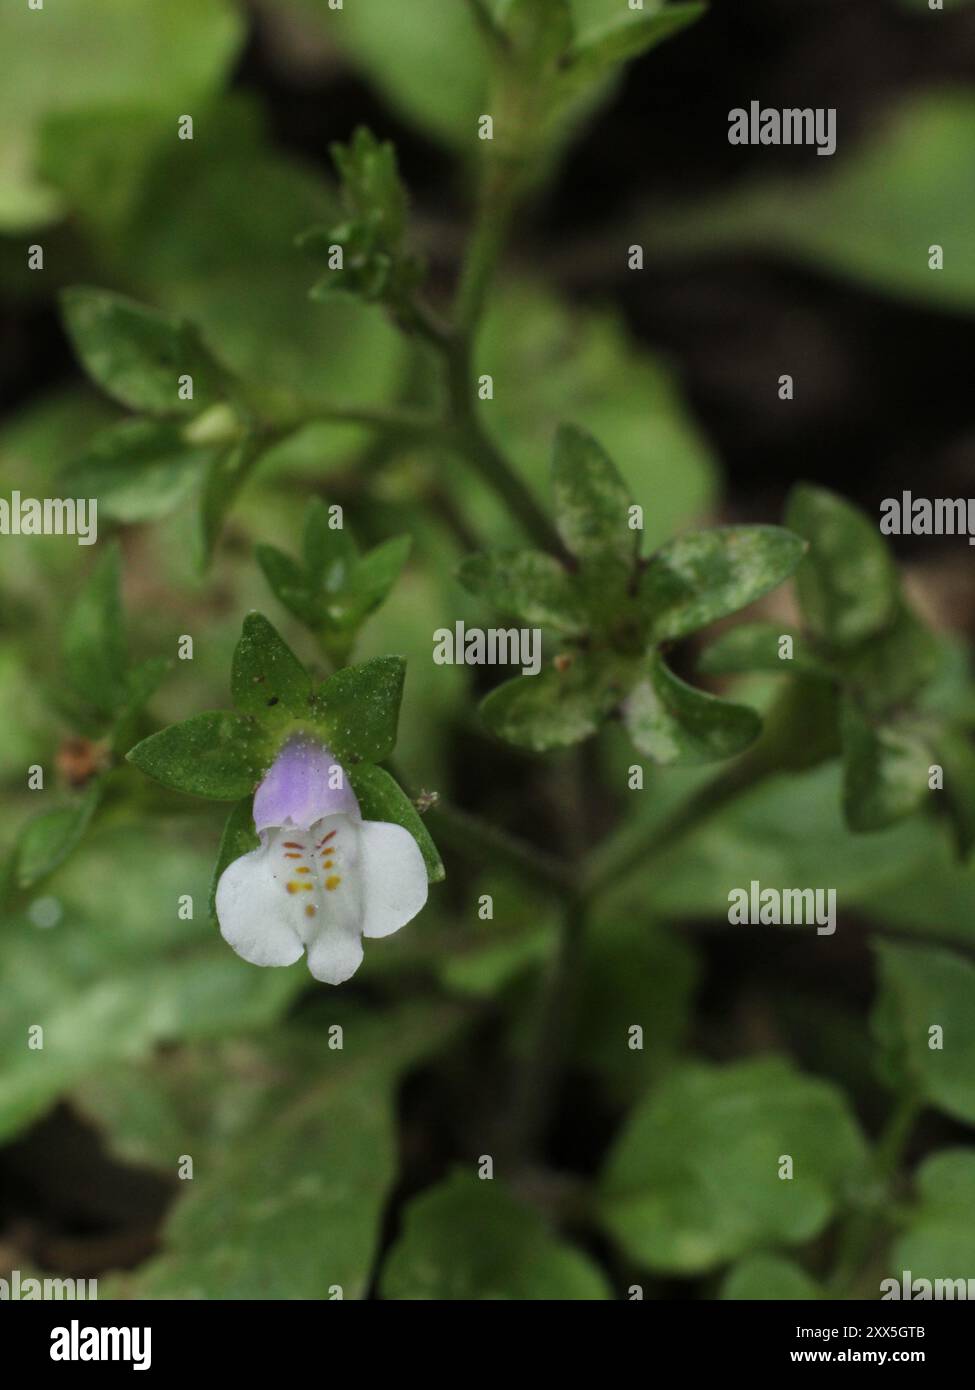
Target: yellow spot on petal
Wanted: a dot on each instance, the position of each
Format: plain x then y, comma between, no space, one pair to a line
292,856
332,882
303,870
310,910
293,887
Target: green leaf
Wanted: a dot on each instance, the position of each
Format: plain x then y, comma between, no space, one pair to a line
138,354
374,575
847,583
933,895
543,352
139,470
865,217
381,798
957,757
239,838
892,668
64,65
339,588
297,1168
142,682
240,206
592,503
121,971
428,61
93,641
267,679
375,265
371,186
289,583
769,1277
329,552
629,35
939,1242
354,587
557,708
672,722
693,1179
755,647
218,755
227,474
705,575
539,31
358,708
46,841
762,830
886,769
923,987
98,161
527,584
471,1240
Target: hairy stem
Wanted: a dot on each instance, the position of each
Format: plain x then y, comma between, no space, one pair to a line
467,834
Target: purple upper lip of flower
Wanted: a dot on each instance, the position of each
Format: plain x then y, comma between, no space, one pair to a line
300,787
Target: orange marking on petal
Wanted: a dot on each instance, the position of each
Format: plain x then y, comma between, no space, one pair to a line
332,882
292,844
292,856
310,910
303,870
293,887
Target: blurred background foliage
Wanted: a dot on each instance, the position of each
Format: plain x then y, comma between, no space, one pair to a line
316,1167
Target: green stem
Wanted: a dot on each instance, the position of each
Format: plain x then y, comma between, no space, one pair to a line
420,318
472,441
775,752
467,834
496,209
487,24
627,852
866,1224
537,1088
410,424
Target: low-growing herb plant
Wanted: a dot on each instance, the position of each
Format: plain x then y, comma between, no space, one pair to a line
733,1170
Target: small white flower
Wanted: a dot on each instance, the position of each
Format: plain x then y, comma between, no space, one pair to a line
323,878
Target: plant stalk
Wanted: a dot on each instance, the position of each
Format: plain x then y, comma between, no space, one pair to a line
865,1225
